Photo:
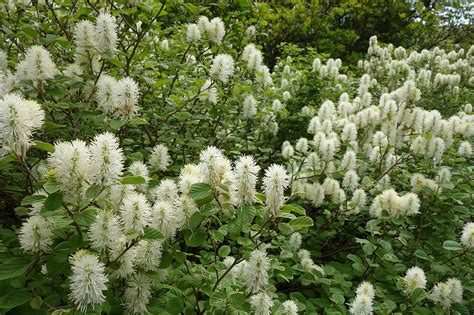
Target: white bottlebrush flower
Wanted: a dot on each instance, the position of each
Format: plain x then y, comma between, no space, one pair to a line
307,262
164,218
37,65
167,191
246,173
249,108
193,33
288,308
274,184
135,213
19,119
127,96
148,255
359,198
107,94
106,33
71,161
106,159
456,289
465,149
295,241
160,158
124,258
467,236
36,234
187,207
214,167
88,280
363,302
257,271
208,93
222,67
138,168
85,40
261,303
250,31
302,145
104,231
441,294
350,180
414,278
215,30
137,294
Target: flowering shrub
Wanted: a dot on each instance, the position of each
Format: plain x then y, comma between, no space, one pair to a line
161,167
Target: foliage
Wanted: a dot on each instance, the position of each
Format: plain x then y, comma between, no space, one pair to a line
153,163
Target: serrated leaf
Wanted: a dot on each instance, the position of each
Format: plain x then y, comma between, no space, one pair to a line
53,202
153,234
133,180
51,186
418,295
452,246
14,298
29,200
301,222
224,251
13,267
40,145
200,191
293,208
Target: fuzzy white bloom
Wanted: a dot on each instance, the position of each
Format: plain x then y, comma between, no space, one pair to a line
127,96
467,236
444,175
215,30
107,94
160,158
104,231
124,258
249,108
85,40
19,119
441,294
395,205
414,278
222,67
165,45
88,280
167,191
214,167
250,31
286,96
106,159
246,173
106,33
359,198
295,241
138,168
287,151
37,65
137,294
71,161
465,149
307,262
208,93
456,289
302,145
148,255
288,308
164,219
193,33
261,303
350,181
363,302
36,234
274,184
135,213
257,271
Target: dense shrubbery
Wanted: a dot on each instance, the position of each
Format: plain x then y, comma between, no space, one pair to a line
168,170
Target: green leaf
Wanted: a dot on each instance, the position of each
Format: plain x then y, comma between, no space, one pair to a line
293,208
15,298
338,298
51,186
246,214
153,234
133,180
40,145
86,217
194,238
301,222
200,192
175,305
53,202
93,191
391,258
421,254
224,251
452,246
418,295
29,200
14,267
